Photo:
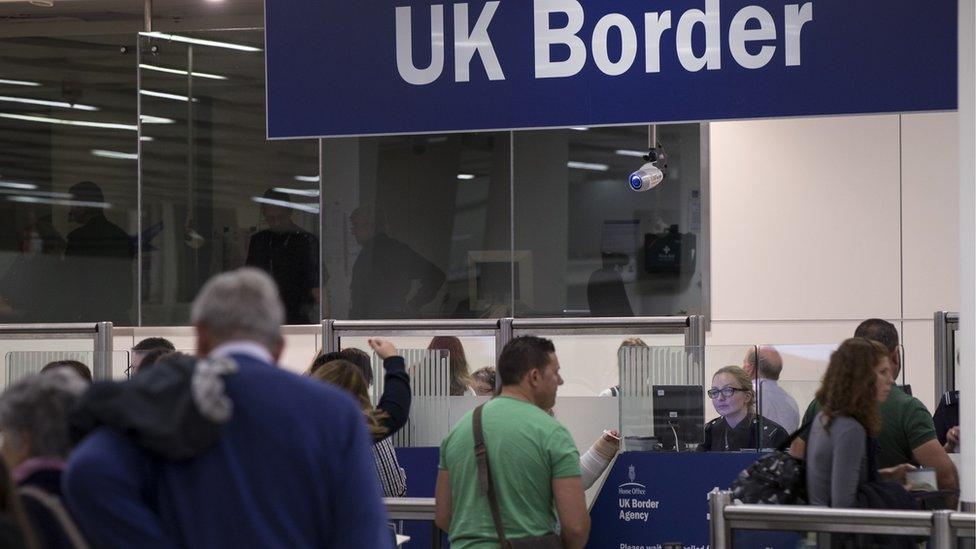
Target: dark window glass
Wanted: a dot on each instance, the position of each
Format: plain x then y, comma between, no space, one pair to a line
418,226
67,179
217,194
585,244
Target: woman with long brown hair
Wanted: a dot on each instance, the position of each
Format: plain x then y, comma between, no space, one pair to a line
461,380
857,381
386,417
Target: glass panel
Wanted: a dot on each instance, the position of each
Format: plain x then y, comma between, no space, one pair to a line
801,369
19,364
216,194
418,226
588,245
67,117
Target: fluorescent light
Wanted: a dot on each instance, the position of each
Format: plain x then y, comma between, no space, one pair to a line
17,185
307,178
147,119
198,41
114,154
465,176
625,152
308,208
19,83
579,128
48,194
59,202
162,95
178,71
82,123
45,103
146,138
588,166
298,192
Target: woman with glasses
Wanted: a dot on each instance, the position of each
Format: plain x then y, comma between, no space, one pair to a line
738,426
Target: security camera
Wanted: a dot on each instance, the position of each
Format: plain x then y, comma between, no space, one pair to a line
652,173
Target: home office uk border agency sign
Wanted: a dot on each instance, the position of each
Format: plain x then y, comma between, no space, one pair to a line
366,67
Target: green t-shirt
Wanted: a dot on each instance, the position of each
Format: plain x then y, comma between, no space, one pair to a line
527,448
905,425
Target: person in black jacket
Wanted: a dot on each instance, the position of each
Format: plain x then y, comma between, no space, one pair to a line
389,415
738,426
34,420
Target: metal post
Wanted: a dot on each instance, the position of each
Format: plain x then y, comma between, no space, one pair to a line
502,337
102,361
719,533
942,535
695,333
942,353
330,343
147,15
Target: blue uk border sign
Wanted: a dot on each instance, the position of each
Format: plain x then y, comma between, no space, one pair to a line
369,67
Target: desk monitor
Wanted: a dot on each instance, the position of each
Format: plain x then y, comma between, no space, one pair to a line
678,410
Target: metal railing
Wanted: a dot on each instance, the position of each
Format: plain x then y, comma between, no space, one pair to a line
100,332
943,527
946,326
504,329
415,509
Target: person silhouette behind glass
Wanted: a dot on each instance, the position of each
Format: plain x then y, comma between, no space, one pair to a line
290,254
98,255
385,271
605,290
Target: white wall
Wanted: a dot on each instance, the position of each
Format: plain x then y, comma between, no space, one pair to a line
819,223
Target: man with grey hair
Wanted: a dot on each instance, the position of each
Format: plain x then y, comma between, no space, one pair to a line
764,364
34,420
291,468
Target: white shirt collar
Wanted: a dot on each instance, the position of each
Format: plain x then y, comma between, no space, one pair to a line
242,347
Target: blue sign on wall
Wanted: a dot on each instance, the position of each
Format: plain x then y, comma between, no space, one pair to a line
339,67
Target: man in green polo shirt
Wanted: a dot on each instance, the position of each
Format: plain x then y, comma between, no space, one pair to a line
534,462
907,432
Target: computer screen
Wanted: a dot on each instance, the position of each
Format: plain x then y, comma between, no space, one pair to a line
679,410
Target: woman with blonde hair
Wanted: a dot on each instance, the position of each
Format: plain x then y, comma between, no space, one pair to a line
857,381
738,426
386,417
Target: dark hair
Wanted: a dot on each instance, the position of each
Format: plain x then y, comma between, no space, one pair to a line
849,387
522,355
153,343
352,354
87,191
878,330
78,367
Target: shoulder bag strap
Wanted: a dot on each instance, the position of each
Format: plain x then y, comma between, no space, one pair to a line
60,513
485,483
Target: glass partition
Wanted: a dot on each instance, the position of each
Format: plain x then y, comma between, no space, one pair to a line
586,244
216,194
19,364
67,179
794,386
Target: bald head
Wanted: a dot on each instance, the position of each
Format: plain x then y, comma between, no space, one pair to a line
769,364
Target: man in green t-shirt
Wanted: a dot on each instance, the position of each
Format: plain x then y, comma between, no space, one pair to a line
907,432
534,462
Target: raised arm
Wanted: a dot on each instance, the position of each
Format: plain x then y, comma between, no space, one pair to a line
396,397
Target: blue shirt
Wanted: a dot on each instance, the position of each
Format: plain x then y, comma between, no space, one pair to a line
292,468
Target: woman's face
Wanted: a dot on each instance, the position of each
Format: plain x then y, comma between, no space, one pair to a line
884,380
734,404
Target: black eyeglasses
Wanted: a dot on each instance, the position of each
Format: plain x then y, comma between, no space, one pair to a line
727,392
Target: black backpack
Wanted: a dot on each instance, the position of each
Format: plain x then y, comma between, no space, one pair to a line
776,479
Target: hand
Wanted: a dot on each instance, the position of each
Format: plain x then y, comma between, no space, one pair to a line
612,435
952,439
897,473
383,348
